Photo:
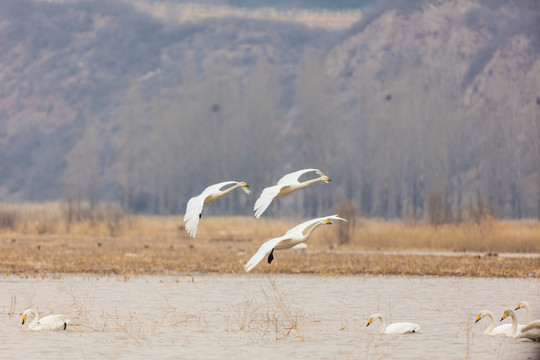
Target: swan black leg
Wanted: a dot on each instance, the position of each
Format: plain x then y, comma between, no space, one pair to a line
65,326
200,215
271,256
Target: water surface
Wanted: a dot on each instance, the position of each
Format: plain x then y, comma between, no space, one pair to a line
263,317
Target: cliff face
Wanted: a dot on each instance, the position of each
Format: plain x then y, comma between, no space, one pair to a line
420,97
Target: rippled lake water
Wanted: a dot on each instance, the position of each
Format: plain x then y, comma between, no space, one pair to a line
263,317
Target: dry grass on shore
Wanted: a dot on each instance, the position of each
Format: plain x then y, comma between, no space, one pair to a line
37,239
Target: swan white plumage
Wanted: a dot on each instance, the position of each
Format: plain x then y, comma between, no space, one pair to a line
50,322
504,329
291,238
395,328
285,186
211,193
525,305
530,331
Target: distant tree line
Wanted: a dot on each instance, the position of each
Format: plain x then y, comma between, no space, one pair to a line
414,150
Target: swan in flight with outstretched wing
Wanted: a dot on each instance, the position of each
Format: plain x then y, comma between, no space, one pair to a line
492,330
285,186
291,238
50,322
395,328
211,193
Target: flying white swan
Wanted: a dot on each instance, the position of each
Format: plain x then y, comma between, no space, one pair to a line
395,328
211,193
504,329
50,322
291,238
285,186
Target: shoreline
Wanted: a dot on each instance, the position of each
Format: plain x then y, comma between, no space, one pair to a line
51,256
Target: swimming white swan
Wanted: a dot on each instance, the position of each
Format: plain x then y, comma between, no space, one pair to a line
530,331
291,238
504,329
525,305
50,322
285,186
211,193
395,328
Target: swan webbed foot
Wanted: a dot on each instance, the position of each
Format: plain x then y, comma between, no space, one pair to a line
414,331
271,256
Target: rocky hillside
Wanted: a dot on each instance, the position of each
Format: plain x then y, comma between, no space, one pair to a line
417,109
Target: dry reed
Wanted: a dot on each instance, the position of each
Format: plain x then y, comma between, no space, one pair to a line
38,242
274,317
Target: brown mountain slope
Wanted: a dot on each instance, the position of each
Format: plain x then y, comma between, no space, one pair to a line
418,109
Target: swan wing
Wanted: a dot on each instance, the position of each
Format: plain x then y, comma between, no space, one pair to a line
52,322
301,227
402,328
261,253
531,334
193,212
293,177
267,195
212,189
532,325
500,330
530,331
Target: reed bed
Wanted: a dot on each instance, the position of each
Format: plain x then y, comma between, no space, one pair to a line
37,240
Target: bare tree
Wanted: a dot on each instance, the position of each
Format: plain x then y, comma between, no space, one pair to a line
263,125
316,127
82,176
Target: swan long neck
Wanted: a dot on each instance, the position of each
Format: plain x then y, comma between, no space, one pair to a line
312,181
35,315
308,234
226,191
382,325
514,322
491,322
528,311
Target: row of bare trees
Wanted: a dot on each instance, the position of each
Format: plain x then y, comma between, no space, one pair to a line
412,143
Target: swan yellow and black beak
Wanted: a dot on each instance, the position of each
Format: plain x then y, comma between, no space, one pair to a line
503,317
518,307
245,184
369,322
328,179
478,318
23,319
327,222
